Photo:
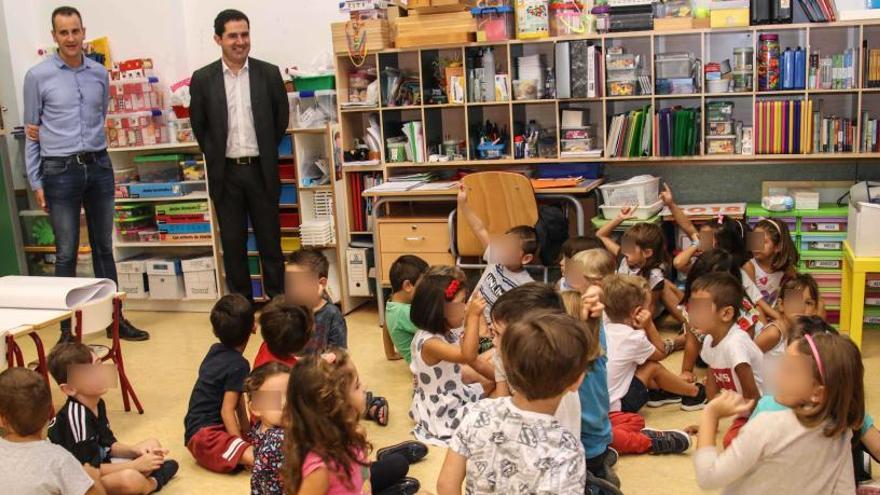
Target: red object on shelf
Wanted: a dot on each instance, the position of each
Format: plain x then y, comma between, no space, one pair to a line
287,171
180,111
289,220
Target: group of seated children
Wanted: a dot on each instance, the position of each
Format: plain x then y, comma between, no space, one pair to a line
555,400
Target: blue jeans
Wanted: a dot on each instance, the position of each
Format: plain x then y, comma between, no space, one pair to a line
70,185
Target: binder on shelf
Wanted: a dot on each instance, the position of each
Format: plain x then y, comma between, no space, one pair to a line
578,68
563,70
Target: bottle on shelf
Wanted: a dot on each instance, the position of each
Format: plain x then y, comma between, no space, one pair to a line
488,80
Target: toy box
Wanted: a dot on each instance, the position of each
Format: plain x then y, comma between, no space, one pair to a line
170,189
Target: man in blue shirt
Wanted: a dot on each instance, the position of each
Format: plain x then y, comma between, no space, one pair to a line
65,105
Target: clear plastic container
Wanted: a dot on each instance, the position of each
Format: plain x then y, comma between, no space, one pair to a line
720,145
159,168
642,190
719,111
494,23
673,8
622,88
673,65
313,108
532,19
619,61
566,19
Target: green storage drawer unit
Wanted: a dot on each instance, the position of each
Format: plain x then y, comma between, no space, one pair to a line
315,83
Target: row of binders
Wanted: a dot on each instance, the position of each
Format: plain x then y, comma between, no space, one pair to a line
870,134
671,131
579,69
793,127
361,207
820,10
678,131
631,134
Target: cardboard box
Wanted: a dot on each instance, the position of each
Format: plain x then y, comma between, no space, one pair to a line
200,284
197,264
722,18
377,38
435,29
163,266
132,277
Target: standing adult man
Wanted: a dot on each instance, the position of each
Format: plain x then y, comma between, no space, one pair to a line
239,113
65,105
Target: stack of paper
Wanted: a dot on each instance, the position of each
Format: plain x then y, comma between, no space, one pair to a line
316,232
415,142
531,69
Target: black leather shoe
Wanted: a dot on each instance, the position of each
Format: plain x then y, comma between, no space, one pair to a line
129,332
406,486
66,336
411,450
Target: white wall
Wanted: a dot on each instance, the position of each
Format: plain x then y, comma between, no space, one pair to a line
176,34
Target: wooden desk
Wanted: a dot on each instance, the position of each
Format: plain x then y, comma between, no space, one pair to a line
569,194
852,300
30,322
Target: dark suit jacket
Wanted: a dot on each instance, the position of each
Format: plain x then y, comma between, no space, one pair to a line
208,114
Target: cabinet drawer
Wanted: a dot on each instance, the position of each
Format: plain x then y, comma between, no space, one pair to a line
430,258
414,237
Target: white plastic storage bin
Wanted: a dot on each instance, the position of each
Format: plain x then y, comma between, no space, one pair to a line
641,212
309,109
862,233
642,190
132,275
199,277
165,279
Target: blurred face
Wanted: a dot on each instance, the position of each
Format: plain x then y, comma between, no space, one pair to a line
235,41
498,329
69,34
707,238
507,250
798,303
795,385
90,380
454,310
303,287
704,316
357,393
574,276
636,257
761,245
268,402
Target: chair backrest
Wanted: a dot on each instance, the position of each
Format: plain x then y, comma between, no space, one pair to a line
97,314
502,200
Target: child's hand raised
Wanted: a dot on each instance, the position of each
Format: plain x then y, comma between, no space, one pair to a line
626,213
462,194
729,403
591,303
642,319
476,306
666,195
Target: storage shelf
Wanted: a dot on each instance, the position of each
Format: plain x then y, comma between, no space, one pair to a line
488,103
306,130
316,188
163,244
359,109
154,147
288,205
189,197
362,168
444,105
51,249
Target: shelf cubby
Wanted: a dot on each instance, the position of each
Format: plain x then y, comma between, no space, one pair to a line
445,124
473,60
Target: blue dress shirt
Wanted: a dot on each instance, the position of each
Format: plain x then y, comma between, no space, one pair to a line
69,105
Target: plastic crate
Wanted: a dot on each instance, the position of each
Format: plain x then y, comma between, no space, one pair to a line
289,220
315,83
642,190
288,194
257,288
254,265
251,242
814,242
170,189
823,224
160,168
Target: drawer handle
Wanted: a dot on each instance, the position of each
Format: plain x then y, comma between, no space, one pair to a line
414,239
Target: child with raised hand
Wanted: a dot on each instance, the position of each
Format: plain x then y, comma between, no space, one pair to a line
506,255
441,397
775,257
286,328
327,450
735,362
642,252
266,389
514,444
799,296
804,449
515,306
572,271
31,465
404,274
81,426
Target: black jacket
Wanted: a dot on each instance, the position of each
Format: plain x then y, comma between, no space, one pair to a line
208,114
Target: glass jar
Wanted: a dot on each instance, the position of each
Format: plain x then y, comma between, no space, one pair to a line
768,62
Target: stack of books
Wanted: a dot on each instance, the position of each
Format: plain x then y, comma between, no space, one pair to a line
630,134
678,131
832,72
872,66
832,134
870,134
783,127
415,142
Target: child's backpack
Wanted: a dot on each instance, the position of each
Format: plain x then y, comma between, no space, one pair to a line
552,229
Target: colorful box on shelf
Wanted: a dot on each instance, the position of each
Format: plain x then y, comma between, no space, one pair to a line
199,277
251,242
494,23
872,281
166,281
160,168
821,261
290,243
823,224
166,237
726,18
285,148
136,129
314,83
435,29
828,280
182,208
820,242
257,288
185,228
288,194
831,298
289,220
171,189
287,171
133,95
254,267
128,211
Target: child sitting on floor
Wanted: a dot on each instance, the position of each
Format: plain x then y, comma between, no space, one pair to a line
327,450
266,389
404,274
506,256
804,449
775,257
81,426
286,328
514,444
306,285
31,465
571,271
441,397
216,423
735,362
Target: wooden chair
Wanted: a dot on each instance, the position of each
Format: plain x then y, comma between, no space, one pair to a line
502,200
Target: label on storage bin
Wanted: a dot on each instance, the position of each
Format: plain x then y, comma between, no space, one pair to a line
826,246
874,284
874,320
823,264
872,301
827,227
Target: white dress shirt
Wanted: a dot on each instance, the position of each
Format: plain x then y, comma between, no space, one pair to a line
241,140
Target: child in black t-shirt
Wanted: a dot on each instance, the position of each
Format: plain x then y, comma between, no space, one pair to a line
216,422
82,427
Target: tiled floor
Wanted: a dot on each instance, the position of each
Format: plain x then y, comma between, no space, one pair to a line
164,369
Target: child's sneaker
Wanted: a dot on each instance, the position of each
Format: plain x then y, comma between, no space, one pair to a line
657,398
668,441
696,402
164,474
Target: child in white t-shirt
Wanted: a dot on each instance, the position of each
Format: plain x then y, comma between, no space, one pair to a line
506,255
514,444
735,362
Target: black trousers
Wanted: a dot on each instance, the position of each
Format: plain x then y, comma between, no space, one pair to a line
244,196
386,473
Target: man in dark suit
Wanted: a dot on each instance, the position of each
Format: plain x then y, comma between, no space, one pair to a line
239,113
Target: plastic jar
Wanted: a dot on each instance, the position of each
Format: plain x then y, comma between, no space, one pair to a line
768,62
742,58
494,23
566,19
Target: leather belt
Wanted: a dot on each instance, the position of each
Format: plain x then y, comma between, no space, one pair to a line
244,160
84,158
